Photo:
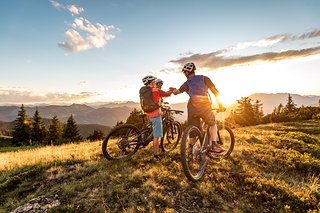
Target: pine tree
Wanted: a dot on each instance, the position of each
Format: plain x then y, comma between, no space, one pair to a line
96,135
279,109
71,131
38,131
245,112
258,111
290,106
55,131
21,131
134,116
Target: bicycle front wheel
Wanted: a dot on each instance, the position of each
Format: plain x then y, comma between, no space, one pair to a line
121,142
171,137
193,158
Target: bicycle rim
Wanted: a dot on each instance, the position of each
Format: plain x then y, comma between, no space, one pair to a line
121,142
226,139
192,158
171,137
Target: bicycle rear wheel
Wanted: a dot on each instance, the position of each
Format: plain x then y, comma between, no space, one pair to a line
171,136
193,159
121,142
226,139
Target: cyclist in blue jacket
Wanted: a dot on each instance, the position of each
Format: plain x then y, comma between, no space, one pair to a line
199,104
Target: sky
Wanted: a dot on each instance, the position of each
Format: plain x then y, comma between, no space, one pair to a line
85,51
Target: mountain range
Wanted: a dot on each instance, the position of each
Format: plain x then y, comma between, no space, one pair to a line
108,114
272,100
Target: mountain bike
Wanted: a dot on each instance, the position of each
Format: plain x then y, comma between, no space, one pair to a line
172,129
123,141
193,157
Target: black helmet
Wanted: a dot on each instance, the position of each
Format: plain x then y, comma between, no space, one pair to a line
189,67
148,79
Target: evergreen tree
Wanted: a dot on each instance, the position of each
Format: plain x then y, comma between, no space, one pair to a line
279,109
134,117
38,131
71,131
290,106
258,111
21,131
55,131
246,113
96,135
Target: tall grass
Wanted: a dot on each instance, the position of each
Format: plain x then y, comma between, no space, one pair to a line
49,154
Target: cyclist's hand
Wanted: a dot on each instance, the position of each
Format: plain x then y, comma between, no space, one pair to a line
222,108
171,89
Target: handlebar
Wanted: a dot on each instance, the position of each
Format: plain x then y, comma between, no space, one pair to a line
168,109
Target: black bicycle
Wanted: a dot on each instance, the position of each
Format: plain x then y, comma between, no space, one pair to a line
123,141
193,157
172,129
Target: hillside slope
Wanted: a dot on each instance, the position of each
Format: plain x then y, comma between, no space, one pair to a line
274,168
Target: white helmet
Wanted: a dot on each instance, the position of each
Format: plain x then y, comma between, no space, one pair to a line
189,67
148,79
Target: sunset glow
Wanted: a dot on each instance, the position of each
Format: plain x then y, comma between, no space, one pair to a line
77,52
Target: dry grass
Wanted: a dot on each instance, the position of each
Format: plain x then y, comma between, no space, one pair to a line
49,154
274,168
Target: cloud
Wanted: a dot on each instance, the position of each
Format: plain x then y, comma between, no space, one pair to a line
215,61
275,39
75,42
57,5
14,95
96,35
73,9
83,83
220,58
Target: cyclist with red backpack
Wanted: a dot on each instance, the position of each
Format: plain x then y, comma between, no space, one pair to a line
199,104
150,97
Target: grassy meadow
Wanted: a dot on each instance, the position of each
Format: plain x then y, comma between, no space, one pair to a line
274,168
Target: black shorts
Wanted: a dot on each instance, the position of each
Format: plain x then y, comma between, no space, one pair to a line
205,112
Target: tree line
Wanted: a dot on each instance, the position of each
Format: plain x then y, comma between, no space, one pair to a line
250,112
34,132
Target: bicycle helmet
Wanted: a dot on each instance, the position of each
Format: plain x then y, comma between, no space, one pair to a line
189,67
148,79
159,82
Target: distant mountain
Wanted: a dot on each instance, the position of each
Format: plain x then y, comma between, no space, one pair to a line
272,100
108,114
83,114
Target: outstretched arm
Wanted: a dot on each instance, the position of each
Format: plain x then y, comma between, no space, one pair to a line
214,90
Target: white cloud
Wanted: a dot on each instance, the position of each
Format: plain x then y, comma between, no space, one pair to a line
93,35
14,95
269,41
221,58
57,5
74,10
75,42
83,83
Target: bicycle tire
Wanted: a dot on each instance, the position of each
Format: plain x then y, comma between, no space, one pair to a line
123,144
186,159
171,137
226,139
